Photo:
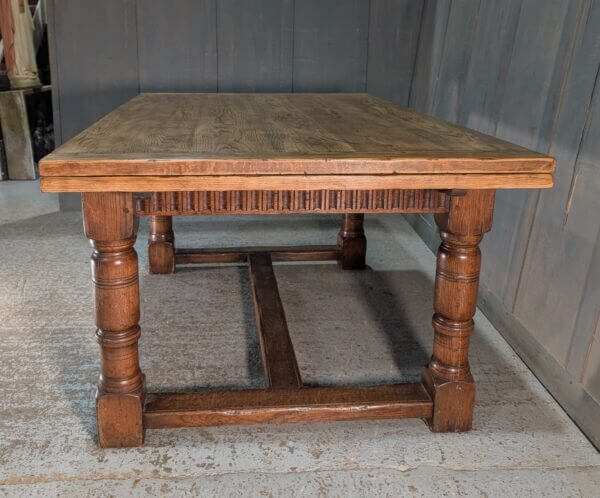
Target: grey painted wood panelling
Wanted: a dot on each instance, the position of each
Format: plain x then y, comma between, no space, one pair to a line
255,45
564,234
527,71
578,250
177,45
330,45
429,54
495,35
95,47
591,377
392,47
583,350
540,51
115,48
455,58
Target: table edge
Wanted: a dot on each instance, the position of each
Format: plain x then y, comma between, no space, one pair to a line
294,182
433,164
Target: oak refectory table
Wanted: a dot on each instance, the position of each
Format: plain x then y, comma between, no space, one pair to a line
162,155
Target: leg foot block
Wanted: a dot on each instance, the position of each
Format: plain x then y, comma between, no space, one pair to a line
161,257
119,420
452,402
353,253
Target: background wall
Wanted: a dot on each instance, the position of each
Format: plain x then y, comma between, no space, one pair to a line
524,70
527,71
104,53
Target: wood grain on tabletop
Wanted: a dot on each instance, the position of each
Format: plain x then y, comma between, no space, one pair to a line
201,134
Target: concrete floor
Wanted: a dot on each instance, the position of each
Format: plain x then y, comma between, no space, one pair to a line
347,327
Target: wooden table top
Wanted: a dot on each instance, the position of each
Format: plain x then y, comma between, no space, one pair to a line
209,141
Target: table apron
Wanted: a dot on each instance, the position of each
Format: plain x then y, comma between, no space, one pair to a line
292,202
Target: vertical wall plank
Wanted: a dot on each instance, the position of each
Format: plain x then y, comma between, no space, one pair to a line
591,376
536,54
429,54
586,190
96,50
570,22
254,43
486,78
177,44
330,45
587,326
454,66
393,39
563,233
532,78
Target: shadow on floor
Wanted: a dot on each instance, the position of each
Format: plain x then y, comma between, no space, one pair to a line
394,306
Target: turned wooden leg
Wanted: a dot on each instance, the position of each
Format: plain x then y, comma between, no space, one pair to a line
111,226
448,378
161,245
352,242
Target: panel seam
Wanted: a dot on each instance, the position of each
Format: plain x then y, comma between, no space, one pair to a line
416,57
293,55
559,109
216,4
368,42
